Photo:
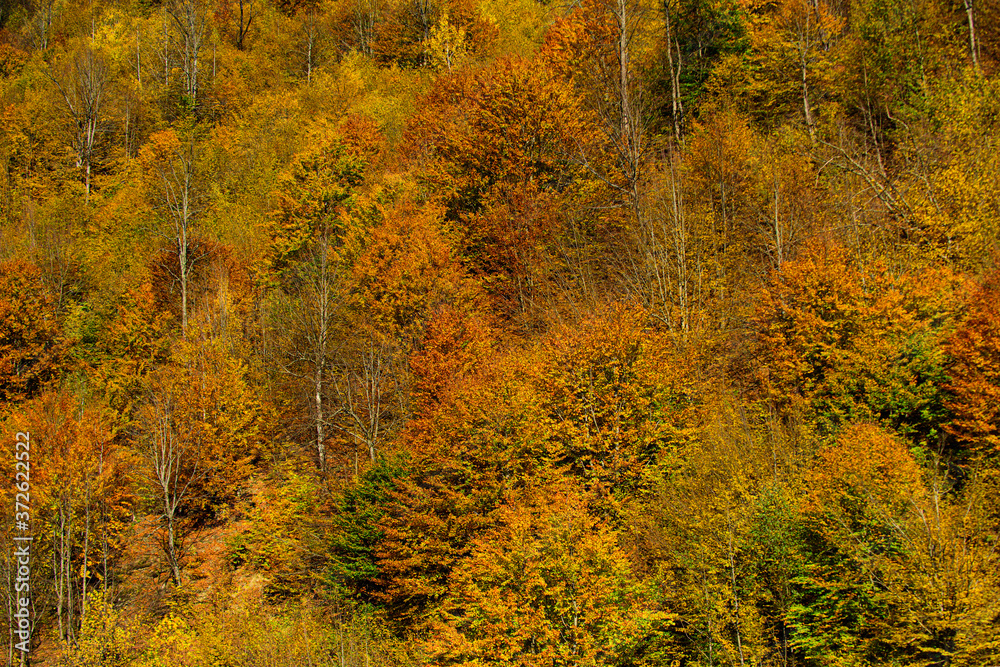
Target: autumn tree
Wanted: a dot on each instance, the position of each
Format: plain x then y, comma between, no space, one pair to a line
841,343
696,38
84,87
82,494
316,189
975,373
198,432
582,405
502,128
547,585
955,165
421,33
943,585
312,41
621,398
40,24
306,231
32,349
719,532
600,47
365,18
812,28
860,489
174,463
452,480
238,19
446,46
188,19
314,318
664,263
172,163
403,267
500,147
134,344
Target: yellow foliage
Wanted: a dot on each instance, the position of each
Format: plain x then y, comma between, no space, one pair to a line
446,45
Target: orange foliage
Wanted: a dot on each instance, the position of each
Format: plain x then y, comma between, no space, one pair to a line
975,372
134,343
508,125
575,43
204,404
868,464
547,585
404,270
508,238
498,146
32,351
364,139
856,344
455,344
619,397
81,481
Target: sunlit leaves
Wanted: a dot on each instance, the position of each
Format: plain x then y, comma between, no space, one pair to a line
31,346
975,373
850,344
547,586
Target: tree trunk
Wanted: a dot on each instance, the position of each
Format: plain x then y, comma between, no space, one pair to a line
86,559
59,573
320,418
321,352
973,39
182,251
806,107
172,548
676,104
68,563
246,18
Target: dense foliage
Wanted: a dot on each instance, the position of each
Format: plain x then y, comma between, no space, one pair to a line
489,332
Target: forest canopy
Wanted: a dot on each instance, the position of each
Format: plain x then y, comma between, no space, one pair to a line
502,332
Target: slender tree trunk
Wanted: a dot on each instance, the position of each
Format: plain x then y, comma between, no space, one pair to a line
246,18
172,547
806,107
779,240
629,130
310,38
128,119
320,417
68,560
138,65
736,595
86,559
324,332
182,252
623,77
802,29
973,39
166,50
680,249
676,104
61,570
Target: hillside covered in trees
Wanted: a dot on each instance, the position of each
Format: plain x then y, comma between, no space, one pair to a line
502,332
